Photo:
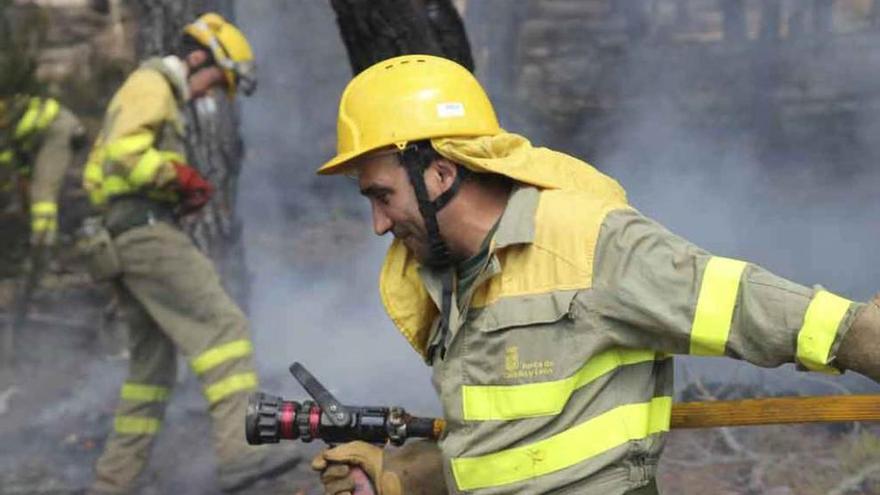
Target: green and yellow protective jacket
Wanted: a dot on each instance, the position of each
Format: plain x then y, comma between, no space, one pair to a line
37,136
142,134
558,376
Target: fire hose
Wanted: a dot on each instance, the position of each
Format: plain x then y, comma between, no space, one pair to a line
271,419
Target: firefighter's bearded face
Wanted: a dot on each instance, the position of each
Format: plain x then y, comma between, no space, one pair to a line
385,183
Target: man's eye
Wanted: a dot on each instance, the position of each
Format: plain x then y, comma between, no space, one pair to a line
382,198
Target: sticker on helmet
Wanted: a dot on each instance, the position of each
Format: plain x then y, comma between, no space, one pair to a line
450,110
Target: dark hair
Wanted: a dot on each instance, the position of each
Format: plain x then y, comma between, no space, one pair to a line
425,154
188,44
422,155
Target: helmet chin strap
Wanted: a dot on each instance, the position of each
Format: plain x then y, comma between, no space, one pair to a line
415,161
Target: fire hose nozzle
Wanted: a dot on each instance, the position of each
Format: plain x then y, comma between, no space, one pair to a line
270,419
263,419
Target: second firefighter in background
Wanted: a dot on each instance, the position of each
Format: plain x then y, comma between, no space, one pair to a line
172,297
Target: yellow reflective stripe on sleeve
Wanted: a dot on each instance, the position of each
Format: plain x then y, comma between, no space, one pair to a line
43,224
114,185
93,177
172,156
128,145
6,158
230,385
579,443
715,304
136,425
221,353
37,117
47,114
139,392
96,196
145,170
817,335
26,123
93,172
44,216
507,402
44,208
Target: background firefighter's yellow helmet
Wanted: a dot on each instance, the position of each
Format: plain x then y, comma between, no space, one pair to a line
405,99
230,49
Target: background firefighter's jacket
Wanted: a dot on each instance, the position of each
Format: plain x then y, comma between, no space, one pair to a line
37,139
142,136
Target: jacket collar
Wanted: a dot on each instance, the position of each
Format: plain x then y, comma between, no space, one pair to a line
404,286
517,224
175,72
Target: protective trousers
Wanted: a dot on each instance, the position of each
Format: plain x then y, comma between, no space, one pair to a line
173,300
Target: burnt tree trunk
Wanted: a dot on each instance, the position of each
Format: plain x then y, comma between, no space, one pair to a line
374,30
214,144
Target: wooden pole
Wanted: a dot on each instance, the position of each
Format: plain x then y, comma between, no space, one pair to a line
761,412
779,410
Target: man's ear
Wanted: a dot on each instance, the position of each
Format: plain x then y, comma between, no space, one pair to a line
446,172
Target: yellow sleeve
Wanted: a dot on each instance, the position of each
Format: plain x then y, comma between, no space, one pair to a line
654,289
139,111
51,162
53,158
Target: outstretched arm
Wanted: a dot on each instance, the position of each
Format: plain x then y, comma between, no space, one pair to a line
655,290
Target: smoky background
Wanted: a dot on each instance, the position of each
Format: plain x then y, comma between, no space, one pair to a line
313,257
752,146
706,138
755,146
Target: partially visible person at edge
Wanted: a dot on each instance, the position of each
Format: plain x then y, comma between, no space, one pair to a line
38,138
547,307
171,294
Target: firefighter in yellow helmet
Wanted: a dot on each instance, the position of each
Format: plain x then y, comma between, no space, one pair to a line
138,175
229,50
547,307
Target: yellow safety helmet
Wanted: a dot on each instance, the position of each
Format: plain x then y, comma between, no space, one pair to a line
230,49
405,99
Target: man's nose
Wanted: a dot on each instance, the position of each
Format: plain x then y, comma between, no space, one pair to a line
381,223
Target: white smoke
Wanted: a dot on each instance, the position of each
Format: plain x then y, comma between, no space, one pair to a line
314,258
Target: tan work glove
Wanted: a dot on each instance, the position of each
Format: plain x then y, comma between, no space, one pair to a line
416,469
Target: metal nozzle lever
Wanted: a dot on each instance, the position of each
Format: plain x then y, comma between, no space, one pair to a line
338,414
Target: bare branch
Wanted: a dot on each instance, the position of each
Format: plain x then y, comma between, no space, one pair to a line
854,482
